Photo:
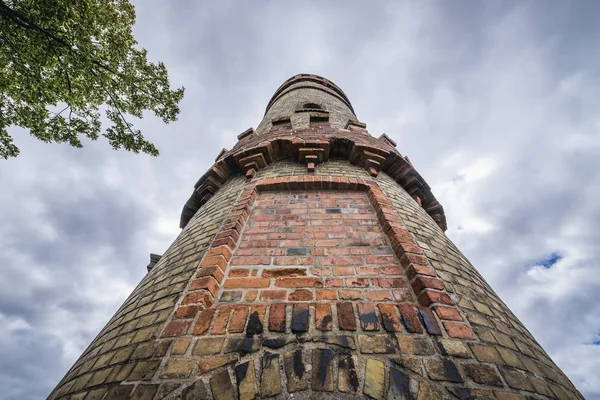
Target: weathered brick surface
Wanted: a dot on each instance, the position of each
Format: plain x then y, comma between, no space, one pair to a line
312,259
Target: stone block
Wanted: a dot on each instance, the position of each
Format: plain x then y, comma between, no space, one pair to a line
270,380
374,379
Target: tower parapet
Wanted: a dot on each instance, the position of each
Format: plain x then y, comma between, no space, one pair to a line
313,263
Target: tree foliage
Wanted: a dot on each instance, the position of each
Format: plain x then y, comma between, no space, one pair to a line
63,61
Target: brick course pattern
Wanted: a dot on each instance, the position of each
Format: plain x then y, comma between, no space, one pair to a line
313,262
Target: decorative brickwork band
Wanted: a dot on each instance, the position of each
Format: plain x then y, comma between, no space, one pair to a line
253,153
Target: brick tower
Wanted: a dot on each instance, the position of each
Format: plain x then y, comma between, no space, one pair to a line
313,264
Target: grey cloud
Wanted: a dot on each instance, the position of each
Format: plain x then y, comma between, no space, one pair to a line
502,94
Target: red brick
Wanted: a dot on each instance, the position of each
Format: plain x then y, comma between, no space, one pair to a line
367,271
423,282
389,318
323,318
340,261
203,322
326,294
447,313
293,261
238,320
350,294
428,297
346,318
318,252
379,295
213,271
177,328
212,261
209,283
300,295
403,248
231,233
414,270
408,259
320,271
283,272
222,251
402,295
251,260
186,312
326,243
410,319
273,294
338,251
299,282
203,297
356,282
337,271
380,260
391,270
251,295
389,282
227,241
259,243
359,251
238,273
247,283
457,330
221,320
277,318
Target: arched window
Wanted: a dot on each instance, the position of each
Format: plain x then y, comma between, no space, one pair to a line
312,106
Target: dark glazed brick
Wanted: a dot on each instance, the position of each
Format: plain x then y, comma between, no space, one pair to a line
399,385
346,318
368,317
295,370
300,318
322,370
255,326
429,321
296,251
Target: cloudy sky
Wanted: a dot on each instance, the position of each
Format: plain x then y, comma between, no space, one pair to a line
495,103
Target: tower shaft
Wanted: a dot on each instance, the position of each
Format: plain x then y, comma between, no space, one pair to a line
313,262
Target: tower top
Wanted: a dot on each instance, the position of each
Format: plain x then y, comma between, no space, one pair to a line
302,81
302,95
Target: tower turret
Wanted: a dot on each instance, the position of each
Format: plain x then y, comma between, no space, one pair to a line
312,263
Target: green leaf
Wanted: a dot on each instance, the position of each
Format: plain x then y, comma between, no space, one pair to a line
62,61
